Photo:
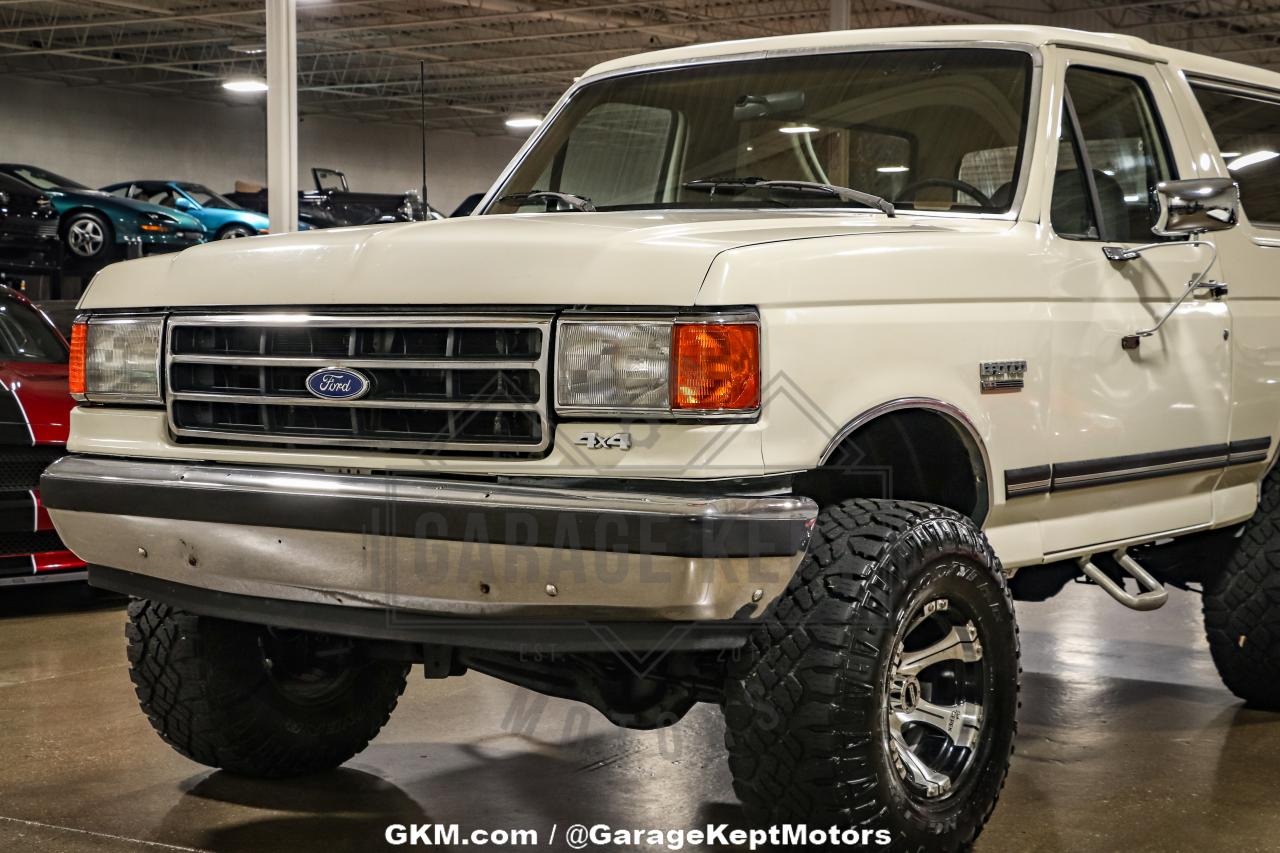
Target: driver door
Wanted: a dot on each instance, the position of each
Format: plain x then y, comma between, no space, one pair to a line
1138,435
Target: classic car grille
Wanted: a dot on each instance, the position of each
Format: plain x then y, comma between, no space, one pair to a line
33,542
21,467
448,384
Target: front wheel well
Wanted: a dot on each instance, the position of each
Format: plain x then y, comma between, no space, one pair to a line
909,454
244,226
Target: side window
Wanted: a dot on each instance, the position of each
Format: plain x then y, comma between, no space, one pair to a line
1119,150
1248,134
1072,213
618,152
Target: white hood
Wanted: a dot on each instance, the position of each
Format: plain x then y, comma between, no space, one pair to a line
649,257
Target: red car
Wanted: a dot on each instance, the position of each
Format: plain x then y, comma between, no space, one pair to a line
35,412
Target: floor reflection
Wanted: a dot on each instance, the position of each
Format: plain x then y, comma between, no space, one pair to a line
1127,743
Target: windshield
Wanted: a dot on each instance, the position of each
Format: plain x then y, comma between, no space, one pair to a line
43,180
24,335
927,129
206,197
330,179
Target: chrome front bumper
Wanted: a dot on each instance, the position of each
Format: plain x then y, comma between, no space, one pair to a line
429,546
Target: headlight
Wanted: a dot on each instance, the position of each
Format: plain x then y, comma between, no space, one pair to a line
674,367
155,222
116,359
621,367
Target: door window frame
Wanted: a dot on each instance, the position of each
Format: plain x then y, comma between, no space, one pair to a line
1072,126
1160,99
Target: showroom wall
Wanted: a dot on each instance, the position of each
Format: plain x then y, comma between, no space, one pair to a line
99,136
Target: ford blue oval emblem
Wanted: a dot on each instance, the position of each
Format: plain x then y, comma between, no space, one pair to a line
338,383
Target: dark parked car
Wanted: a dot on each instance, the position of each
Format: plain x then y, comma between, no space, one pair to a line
98,228
332,203
469,204
28,229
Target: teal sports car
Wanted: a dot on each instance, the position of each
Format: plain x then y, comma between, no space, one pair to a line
98,228
223,218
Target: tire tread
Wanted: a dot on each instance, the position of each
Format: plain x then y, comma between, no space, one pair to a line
176,663
1242,607
796,703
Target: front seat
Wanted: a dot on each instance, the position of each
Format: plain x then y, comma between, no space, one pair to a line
1071,209
1115,213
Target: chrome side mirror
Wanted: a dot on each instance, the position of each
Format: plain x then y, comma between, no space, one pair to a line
1196,205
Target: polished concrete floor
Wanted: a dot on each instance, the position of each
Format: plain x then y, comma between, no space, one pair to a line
1127,743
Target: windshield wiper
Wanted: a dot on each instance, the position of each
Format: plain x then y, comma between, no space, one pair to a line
575,202
843,193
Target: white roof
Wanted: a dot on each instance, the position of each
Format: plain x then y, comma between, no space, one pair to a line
1008,34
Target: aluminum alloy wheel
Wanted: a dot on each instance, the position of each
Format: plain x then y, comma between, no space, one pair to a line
934,710
233,234
86,237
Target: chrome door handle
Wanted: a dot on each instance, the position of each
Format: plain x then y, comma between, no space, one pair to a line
1212,290
1119,253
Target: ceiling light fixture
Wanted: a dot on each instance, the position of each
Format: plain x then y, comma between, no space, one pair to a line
799,128
1251,159
892,170
245,84
250,49
523,122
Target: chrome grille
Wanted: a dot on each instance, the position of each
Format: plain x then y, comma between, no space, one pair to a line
474,384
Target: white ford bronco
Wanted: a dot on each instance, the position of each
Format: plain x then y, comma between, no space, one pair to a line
768,374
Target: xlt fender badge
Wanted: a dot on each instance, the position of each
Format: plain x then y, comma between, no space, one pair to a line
998,376
596,441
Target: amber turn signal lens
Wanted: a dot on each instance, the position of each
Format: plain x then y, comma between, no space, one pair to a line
715,367
79,334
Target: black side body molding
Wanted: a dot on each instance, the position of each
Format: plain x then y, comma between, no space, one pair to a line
1083,474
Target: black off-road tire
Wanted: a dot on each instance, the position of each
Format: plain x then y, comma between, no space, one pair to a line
1242,607
806,706
208,689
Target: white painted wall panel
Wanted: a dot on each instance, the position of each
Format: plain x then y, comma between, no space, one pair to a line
100,136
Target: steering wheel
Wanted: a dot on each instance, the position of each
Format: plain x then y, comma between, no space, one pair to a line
965,187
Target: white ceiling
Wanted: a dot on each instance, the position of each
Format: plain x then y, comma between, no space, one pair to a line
487,59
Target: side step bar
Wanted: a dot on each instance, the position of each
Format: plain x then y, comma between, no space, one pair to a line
1153,596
